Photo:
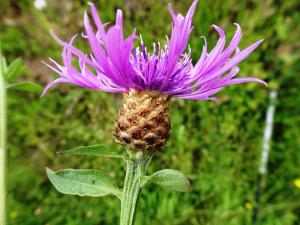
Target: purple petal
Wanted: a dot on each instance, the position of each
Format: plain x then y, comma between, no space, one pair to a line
59,80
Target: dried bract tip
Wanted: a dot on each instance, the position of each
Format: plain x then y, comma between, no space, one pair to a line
143,123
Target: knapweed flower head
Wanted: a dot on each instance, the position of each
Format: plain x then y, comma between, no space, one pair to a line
149,79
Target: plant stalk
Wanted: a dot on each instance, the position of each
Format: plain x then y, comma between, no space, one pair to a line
2,147
136,168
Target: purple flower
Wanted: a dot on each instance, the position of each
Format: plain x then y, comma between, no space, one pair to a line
115,65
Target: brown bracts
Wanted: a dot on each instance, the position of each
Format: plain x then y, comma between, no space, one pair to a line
143,123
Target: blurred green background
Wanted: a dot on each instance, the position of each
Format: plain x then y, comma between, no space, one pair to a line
217,145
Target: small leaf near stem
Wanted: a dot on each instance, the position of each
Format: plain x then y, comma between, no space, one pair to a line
170,179
15,69
25,86
92,183
95,150
10,72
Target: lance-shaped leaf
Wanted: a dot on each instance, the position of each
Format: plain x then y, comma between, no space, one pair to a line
15,69
92,183
170,179
95,150
25,86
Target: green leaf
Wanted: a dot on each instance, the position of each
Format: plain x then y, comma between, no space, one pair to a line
95,150
25,86
92,183
15,69
170,179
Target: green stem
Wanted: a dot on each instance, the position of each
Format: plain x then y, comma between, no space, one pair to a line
2,147
136,168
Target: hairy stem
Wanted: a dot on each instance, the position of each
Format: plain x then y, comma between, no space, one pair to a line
2,147
136,168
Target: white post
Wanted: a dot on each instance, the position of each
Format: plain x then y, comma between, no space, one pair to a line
263,166
267,134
